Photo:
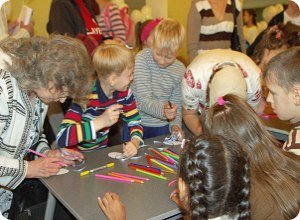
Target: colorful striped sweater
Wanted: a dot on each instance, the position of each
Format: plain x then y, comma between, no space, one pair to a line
77,129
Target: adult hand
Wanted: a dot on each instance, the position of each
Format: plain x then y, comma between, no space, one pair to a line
112,206
44,167
109,117
170,111
131,148
67,155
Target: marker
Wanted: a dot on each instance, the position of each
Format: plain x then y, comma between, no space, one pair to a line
113,178
152,174
98,168
45,156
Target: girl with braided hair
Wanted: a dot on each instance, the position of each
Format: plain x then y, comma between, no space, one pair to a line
214,179
275,177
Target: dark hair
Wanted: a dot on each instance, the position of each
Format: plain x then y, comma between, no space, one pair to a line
275,37
253,14
238,121
216,172
138,31
284,69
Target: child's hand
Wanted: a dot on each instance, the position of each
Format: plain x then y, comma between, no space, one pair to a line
178,132
131,148
108,118
112,206
170,111
175,196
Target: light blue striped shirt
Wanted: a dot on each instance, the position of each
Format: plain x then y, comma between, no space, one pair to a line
153,86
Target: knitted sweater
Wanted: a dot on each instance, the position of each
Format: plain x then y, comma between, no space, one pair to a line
77,128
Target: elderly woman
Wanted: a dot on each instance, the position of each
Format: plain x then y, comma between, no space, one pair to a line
34,72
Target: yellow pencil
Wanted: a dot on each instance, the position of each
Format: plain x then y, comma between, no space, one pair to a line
162,165
152,174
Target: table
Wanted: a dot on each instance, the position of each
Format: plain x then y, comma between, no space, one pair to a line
79,194
280,129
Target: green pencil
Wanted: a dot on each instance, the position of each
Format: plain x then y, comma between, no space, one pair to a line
152,174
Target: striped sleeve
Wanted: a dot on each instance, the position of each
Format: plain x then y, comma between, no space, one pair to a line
132,117
73,130
117,26
143,90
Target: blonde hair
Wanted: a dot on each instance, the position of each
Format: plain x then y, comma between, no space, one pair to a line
169,35
61,59
112,58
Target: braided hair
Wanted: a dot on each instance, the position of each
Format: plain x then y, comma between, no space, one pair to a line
216,172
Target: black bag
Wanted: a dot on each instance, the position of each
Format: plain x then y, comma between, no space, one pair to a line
235,40
29,199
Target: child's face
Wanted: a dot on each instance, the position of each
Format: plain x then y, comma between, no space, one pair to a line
122,81
163,58
282,102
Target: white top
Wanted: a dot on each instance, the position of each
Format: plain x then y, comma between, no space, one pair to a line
197,75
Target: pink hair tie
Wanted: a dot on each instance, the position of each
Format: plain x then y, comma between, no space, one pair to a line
148,28
221,101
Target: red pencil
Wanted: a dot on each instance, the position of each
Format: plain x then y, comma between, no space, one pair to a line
159,154
145,169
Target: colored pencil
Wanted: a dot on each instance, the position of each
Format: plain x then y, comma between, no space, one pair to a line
113,178
159,154
131,176
45,156
144,166
168,165
170,155
98,168
170,152
124,177
146,169
152,174
162,165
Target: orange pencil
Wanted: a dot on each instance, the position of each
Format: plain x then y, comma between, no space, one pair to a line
124,177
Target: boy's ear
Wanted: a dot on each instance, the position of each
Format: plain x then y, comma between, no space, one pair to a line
112,79
297,96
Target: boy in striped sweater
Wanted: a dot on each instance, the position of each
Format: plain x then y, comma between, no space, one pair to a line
157,81
87,127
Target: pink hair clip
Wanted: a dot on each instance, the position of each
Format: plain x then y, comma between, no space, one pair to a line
221,101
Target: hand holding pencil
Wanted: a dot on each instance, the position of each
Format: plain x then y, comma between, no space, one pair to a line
170,110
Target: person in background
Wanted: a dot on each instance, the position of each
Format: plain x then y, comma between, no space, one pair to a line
204,192
275,192
110,21
34,72
144,34
157,81
275,40
250,29
211,25
215,73
291,14
87,126
283,81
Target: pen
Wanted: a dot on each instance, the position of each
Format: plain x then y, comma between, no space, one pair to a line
98,168
170,104
113,178
152,174
43,155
